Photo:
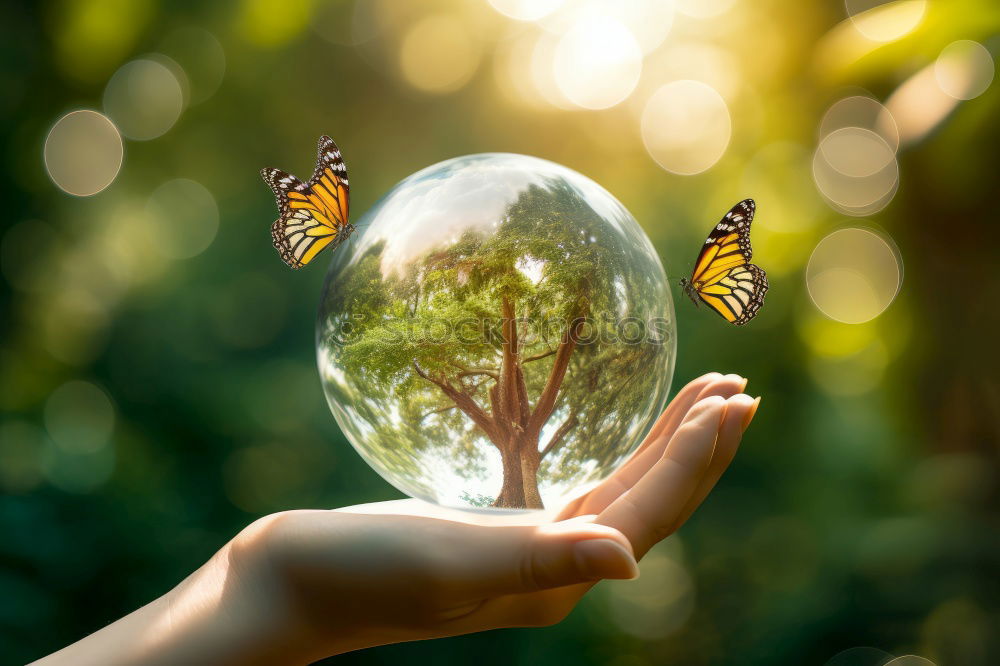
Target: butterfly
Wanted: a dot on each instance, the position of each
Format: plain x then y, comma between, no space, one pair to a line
723,276
312,215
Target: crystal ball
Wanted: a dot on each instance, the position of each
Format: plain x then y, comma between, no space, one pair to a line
498,334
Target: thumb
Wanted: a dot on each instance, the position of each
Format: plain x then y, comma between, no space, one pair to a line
554,555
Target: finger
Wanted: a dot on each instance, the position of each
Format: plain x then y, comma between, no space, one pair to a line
647,512
601,496
679,406
723,386
739,412
498,561
640,463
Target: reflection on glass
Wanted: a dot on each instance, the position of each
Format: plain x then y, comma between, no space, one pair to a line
499,334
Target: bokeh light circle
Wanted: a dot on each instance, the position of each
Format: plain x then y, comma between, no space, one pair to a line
184,218
438,55
79,417
83,153
144,98
863,112
964,69
686,127
856,170
854,274
856,152
657,606
526,10
597,63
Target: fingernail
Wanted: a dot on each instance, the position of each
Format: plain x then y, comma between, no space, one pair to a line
604,558
750,413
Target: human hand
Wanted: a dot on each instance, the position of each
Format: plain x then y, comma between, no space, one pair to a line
407,570
298,586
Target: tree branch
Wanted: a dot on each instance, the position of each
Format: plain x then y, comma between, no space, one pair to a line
560,435
464,402
537,357
437,411
547,400
472,372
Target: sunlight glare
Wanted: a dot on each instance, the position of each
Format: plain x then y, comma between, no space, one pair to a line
597,63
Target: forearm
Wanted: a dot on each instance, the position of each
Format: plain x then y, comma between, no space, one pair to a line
213,617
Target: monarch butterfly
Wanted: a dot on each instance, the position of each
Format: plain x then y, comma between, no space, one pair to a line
312,215
723,276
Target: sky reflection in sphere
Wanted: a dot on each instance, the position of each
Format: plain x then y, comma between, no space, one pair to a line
427,374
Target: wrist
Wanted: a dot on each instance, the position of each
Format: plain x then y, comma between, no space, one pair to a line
244,602
284,597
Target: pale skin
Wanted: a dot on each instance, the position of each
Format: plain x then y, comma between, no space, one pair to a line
298,586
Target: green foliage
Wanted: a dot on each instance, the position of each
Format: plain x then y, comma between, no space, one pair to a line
479,501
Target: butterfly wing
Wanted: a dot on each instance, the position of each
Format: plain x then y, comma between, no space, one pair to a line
329,179
723,277
736,294
313,215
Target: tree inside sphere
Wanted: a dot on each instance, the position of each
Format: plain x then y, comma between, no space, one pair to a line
498,333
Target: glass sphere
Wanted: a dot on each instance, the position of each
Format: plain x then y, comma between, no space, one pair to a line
499,332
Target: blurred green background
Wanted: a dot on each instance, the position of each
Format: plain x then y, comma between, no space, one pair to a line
157,379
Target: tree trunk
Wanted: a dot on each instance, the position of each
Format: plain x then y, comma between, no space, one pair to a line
529,476
512,491
520,477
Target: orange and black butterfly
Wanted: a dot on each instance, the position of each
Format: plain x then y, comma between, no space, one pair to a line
312,215
723,277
